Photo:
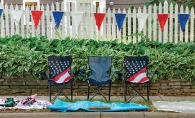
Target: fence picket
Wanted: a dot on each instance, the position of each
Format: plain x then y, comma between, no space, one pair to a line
181,32
186,27
124,28
108,29
134,25
159,29
176,38
7,30
149,22
155,23
114,28
165,35
192,25
170,30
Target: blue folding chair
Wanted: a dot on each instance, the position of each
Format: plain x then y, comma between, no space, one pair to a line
100,68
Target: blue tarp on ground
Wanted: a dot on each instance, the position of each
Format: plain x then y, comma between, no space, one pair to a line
85,105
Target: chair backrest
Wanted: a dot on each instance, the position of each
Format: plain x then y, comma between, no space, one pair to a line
59,68
136,67
99,67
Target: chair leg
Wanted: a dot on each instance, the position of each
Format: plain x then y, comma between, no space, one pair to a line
137,91
109,91
49,87
88,92
148,91
125,92
71,91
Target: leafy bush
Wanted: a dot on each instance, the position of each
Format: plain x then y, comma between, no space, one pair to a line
19,55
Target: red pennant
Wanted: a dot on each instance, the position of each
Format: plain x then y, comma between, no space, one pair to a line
99,17
36,15
162,19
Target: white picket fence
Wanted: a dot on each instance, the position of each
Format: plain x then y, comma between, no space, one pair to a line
109,31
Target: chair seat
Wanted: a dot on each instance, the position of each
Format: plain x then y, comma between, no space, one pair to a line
136,83
99,83
54,83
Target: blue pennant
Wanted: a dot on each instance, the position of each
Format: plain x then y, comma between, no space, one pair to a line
183,18
119,19
58,17
1,10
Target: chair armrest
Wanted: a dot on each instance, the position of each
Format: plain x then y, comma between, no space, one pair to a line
82,72
115,70
119,73
44,75
152,73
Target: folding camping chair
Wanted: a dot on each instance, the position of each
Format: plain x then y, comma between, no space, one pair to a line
99,75
59,76
136,76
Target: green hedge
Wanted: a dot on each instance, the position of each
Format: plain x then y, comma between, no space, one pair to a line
20,55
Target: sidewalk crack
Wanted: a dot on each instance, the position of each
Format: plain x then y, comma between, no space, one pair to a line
161,98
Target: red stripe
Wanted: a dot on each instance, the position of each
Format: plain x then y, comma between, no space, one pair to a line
61,74
130,79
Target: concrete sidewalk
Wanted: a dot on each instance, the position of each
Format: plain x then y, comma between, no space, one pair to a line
97,115
141,114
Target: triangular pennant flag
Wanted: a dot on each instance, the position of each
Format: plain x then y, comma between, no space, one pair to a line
36,15
162,19
183,18
58,17
1,11
119,19
99,17
141,20
16,14
77,17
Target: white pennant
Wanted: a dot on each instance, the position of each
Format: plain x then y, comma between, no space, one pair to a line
17,14
141,20
77,17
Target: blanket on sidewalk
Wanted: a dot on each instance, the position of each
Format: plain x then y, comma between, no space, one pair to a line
25,103
86,105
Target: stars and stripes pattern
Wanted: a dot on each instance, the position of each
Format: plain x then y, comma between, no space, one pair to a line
59,70
136,71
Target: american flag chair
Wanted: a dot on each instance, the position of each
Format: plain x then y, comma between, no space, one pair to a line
100,68
60,74
136,76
